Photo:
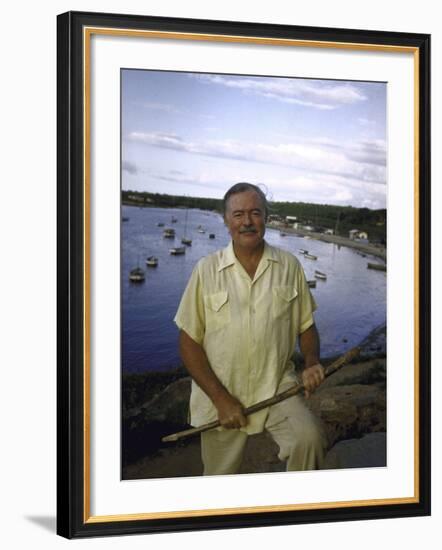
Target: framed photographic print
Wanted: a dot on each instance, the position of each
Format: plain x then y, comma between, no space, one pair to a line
328,129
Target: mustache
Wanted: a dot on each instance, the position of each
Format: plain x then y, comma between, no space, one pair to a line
248,230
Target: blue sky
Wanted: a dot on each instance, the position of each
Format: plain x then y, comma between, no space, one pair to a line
319,141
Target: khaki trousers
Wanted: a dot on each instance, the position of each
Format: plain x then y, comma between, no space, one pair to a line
296,431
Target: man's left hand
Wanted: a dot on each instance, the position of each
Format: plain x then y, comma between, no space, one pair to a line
312,377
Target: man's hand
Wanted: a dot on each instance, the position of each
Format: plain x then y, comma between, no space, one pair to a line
230,412
312,377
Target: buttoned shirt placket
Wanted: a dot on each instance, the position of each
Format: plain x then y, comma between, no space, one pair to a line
263,265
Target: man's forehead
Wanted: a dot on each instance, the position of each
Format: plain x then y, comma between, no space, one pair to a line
248,198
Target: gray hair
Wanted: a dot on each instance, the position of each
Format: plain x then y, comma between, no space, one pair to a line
241,188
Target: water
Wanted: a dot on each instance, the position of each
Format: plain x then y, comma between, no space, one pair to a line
351,302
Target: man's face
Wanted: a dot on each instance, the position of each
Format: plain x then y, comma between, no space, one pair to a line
245,219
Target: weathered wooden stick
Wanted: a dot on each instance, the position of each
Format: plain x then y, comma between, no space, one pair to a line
294,390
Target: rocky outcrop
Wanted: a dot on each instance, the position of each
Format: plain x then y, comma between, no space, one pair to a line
350,411
351,403
145,425
370,451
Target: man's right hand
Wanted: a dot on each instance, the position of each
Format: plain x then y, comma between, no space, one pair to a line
230,412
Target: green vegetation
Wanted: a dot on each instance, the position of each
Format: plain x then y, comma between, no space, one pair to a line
340,219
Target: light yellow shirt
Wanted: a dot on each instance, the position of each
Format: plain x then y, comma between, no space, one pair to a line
248,328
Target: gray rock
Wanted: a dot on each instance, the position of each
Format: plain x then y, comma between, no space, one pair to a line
376,343
369,372
170,405
368,452
349,411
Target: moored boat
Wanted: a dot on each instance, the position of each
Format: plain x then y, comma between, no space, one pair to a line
136,275
311,284
310,256
379,267
176,251
303,251
320,275
169,233
211,235
185,239
152,261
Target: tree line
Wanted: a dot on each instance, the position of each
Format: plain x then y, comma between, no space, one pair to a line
341,219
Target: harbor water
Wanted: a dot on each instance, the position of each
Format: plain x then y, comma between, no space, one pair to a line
351,301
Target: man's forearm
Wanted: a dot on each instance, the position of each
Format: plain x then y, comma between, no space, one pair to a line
230,410
195,360
309,346
313,373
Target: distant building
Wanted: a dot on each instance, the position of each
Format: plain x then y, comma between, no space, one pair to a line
135,198
291,219
355,234
329,232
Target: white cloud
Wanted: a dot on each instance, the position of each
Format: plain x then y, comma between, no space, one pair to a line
164,107
366,122
129,167
318,94
363,160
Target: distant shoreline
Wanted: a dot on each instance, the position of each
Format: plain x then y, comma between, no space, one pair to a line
373,250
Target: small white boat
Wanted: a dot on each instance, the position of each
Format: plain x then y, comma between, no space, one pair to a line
136,275
152,261
185,239
311,284
201,230
310,256
178,250
169,233
379,267
303,251
320,275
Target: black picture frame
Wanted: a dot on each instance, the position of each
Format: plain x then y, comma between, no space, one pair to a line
73,516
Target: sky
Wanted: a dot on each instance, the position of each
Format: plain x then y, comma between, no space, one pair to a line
309,140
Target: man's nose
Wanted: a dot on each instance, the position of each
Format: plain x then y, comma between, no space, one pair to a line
247,219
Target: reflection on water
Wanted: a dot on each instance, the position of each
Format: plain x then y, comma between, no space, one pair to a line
351,302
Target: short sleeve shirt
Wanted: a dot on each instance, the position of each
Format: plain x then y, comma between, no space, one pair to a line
248,328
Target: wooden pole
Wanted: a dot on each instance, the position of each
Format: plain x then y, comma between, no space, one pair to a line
294,390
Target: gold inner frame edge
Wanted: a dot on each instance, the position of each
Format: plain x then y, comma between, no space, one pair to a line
87,34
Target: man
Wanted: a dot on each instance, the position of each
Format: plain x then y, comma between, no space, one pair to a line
239,318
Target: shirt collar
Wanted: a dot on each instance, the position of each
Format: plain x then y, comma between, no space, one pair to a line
228,257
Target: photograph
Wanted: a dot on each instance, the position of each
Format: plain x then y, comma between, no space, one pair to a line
312,155
243,232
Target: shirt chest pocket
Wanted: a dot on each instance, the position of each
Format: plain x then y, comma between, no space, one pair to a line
217,309
284,302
